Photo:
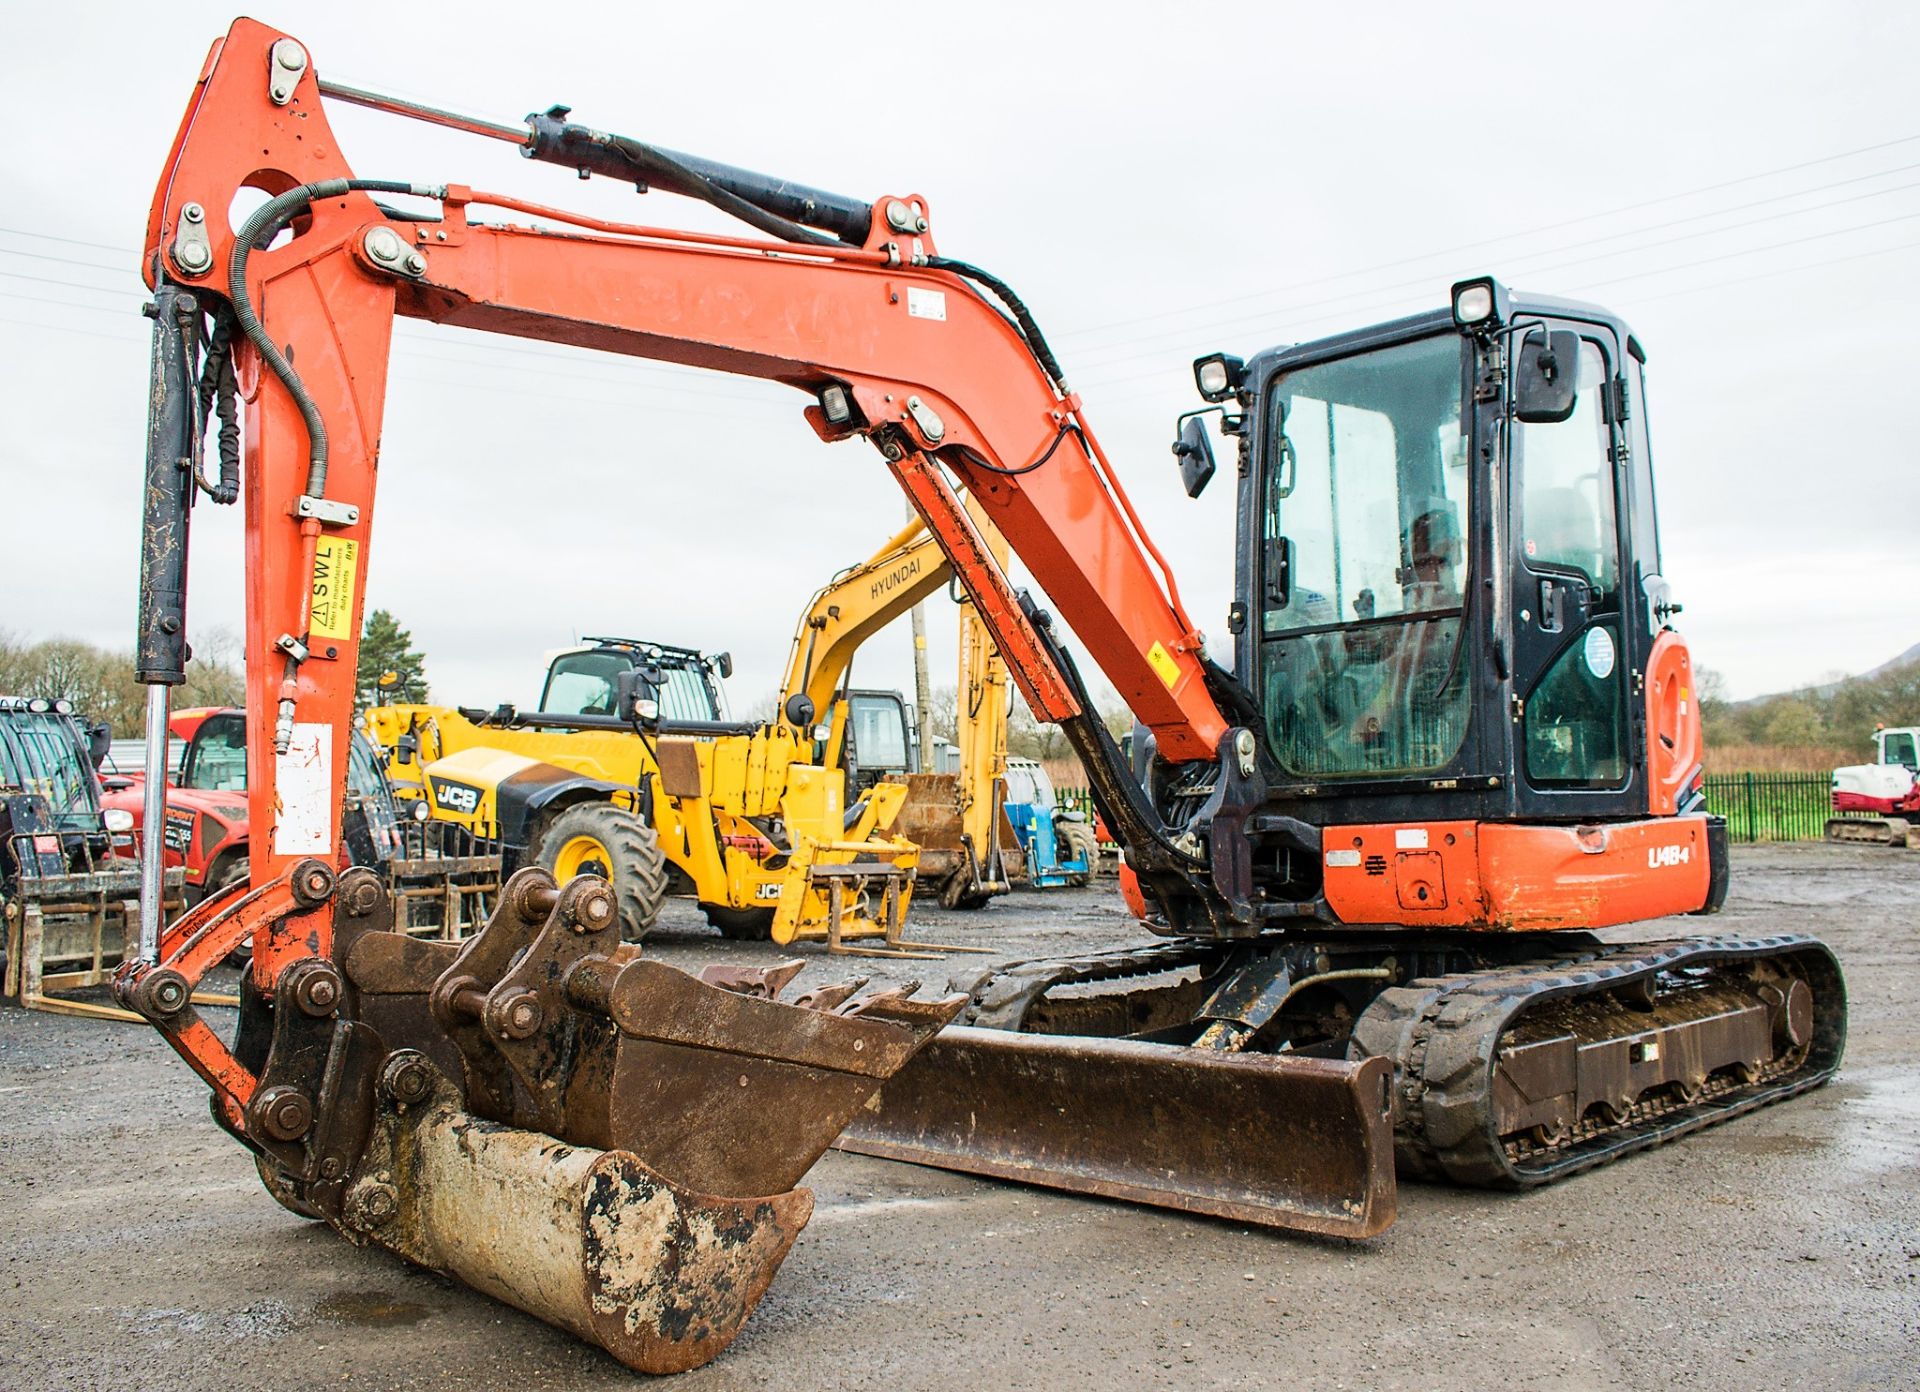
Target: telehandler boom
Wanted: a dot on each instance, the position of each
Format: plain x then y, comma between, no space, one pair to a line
1457,731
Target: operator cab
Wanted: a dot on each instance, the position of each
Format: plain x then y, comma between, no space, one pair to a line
1449,564
882,743
49,791
683,682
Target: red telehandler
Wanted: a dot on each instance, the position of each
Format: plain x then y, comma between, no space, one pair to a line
1456,734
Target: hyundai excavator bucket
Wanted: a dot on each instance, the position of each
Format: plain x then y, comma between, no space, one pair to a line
603,1141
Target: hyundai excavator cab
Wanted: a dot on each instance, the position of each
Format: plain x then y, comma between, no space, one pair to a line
1456,734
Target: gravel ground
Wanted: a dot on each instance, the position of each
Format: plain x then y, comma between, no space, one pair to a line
1779,1250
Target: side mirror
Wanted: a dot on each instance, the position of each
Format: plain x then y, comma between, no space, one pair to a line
799,709
1279,571
1546,376
99,743
1194,450
406,748
635,698
723,664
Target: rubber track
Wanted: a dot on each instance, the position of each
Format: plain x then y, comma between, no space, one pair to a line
1443,1035
1000,999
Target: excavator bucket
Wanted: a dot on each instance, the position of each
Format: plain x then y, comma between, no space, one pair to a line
604,1141
1284,1142
593,1241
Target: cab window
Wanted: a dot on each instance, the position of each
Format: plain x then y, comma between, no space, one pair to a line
217,756
879,733
583,683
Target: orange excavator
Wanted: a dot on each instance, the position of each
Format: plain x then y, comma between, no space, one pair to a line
1455,736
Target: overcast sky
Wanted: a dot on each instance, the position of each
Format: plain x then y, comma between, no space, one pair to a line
1740,181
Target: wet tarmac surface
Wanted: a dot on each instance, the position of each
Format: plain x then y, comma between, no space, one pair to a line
1781,1249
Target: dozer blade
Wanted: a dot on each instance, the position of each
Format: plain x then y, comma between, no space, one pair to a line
1296,1143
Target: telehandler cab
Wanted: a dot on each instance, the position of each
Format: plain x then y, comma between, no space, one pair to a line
1456,733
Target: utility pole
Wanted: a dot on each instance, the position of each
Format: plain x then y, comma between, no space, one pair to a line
922,695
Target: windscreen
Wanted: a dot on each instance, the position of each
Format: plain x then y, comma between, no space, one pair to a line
217,756
879,733
586,684
40,755
1367,496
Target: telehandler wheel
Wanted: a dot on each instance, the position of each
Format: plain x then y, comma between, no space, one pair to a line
740,925
1077,841
597,838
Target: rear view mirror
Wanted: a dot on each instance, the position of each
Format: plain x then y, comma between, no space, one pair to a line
799,709
723,664
1546,376
99,743
635,698
1194,450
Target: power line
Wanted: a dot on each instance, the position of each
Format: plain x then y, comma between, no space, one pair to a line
1770,275
67,328
63,260
70,241
1264,316
66,304
1377,312
1503,237
69,284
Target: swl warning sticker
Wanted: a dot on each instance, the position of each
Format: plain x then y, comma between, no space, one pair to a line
335,563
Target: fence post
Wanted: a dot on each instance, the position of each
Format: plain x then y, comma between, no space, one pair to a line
1753,824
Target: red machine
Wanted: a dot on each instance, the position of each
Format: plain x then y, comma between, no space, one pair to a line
1373,842
206,807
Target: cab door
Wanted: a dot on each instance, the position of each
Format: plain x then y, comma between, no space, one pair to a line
1573,735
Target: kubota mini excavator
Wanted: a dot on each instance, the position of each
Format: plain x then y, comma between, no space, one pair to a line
1457,733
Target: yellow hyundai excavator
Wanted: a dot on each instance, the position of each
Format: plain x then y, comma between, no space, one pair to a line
952,816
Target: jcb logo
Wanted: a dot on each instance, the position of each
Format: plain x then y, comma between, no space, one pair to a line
767,889
1665,857
456,797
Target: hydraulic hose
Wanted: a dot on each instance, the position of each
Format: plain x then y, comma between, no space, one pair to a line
219,395
1022,316
262,227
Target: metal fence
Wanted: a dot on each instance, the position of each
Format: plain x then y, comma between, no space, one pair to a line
1757,806
1772,806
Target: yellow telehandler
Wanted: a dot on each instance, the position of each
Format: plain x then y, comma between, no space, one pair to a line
628,770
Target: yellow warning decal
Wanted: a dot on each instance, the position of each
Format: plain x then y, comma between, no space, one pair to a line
336,561
1162,663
